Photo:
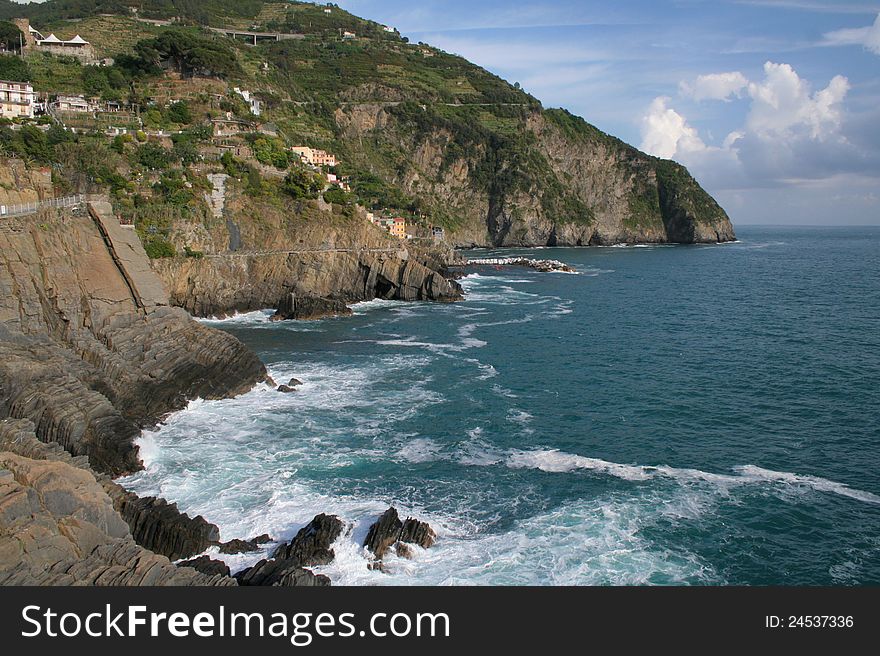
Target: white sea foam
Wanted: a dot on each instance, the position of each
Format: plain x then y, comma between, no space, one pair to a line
418,450
760,474
242,318
555,461
376,304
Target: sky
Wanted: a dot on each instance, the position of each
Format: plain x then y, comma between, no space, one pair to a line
773,105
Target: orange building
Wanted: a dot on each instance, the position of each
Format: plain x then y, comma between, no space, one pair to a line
397,228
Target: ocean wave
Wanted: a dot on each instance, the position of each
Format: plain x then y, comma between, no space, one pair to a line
242,318
555,461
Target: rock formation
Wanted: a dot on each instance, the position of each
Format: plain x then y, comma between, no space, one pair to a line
90,352
310,547
58,525
89,348
389,531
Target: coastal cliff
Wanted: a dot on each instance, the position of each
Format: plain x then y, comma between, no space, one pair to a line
90,353
559,182
258,254
91,349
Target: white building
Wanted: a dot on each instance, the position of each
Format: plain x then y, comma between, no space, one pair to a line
17,99
254,104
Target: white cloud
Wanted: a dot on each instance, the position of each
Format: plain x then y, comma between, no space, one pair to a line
869,37
791,134
715,86
783,106
666,133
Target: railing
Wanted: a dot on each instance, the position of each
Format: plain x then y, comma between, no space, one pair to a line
36,206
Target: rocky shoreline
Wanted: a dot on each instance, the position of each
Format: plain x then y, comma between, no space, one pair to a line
91,352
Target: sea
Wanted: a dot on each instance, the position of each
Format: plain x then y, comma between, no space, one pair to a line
667,415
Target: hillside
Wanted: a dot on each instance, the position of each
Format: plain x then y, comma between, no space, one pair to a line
418,132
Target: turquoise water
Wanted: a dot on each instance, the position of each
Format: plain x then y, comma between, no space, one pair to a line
671,415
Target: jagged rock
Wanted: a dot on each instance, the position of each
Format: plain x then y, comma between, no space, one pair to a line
294,382
312,544
161,527
293,306
206,565
280,573
309,548
89,348
244,546
384,533
390,532
416,532
284,389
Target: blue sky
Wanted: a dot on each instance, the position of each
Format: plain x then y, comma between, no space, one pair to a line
774,105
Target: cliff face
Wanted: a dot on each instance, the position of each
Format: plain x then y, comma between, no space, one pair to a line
560,182
258,254
90,349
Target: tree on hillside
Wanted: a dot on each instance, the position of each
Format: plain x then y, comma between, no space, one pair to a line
14,69
10,36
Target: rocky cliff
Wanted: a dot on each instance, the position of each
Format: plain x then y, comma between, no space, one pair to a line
58,524
90,352
90,348
257,253
558,182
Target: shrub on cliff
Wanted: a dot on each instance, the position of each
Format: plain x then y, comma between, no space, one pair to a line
158,248
337,196
153,156
301,183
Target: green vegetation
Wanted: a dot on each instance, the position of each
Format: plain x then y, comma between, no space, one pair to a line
270,151
10,36
14,69
408,122
301,183
158,248
190,51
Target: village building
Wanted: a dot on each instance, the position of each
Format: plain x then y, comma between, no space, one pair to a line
314,157
17,99
348,36
76,104
229,127
254,104
398,228
438,233
77,47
